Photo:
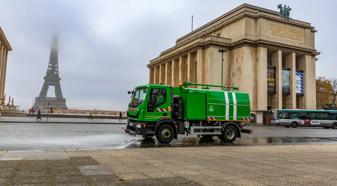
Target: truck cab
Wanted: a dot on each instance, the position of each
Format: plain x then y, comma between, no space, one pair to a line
149,103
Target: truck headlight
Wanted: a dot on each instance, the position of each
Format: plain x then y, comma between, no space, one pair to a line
139,126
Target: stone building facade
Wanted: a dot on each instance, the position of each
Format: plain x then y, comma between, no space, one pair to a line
5,47
264,55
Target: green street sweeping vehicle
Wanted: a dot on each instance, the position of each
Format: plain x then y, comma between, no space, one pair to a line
164,111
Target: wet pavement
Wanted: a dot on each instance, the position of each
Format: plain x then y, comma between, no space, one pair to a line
82,170
58,120
46,136
102,154
211,165
67,136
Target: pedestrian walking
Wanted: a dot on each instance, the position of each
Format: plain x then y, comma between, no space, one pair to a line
90,115
120,116
47,114
38,116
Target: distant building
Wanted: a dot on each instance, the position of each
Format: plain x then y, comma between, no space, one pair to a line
5,47
272,58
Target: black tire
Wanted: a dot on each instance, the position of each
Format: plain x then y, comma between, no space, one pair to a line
294,124
165,134
334,126
229,134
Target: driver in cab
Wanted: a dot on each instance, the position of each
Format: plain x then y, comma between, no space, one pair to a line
160,98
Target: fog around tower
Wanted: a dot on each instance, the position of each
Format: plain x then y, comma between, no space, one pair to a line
104,46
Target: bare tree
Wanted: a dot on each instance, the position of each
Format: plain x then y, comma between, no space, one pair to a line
334,90
323,92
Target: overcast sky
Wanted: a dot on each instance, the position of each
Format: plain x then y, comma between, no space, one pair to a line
104,45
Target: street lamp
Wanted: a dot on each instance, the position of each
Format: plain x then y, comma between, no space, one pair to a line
222,61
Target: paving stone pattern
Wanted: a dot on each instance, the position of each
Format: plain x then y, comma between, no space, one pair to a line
81,170
223,165
55,172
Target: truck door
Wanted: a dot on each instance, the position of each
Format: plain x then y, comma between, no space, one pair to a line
159,104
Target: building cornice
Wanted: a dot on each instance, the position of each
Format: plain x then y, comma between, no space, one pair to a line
241,11
262,42
177,50
226,43
4,40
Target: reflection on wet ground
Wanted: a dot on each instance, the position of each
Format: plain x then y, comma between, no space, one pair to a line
245,141
181,142
285,140
44,136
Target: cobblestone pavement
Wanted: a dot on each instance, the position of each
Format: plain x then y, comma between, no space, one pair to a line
224,165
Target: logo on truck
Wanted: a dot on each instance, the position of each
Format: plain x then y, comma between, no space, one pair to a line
211,109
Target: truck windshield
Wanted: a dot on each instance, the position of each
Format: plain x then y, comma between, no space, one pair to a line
138,97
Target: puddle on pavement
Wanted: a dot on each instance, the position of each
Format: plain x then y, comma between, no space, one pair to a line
250,141
122,141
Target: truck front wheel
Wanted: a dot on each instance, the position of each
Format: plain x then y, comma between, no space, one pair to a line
165,134
229,134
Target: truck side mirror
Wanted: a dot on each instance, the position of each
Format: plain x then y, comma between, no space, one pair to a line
131,92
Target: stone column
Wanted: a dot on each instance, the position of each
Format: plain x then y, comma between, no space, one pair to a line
151,76
180,65
291,63
165,70
4,72
243,71
214,63
277,62
155,75
160,79
1,71
206,66
311,84
199,66
169,72
261,75
188,69
307,63
226,68
172,73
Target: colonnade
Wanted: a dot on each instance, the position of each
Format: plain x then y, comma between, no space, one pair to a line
186,67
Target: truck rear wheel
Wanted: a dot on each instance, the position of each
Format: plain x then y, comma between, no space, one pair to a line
229,134
165,134
334,126
294,124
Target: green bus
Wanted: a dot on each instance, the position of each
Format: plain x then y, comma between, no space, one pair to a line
305,118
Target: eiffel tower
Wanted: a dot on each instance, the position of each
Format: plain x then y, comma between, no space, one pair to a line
51,79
